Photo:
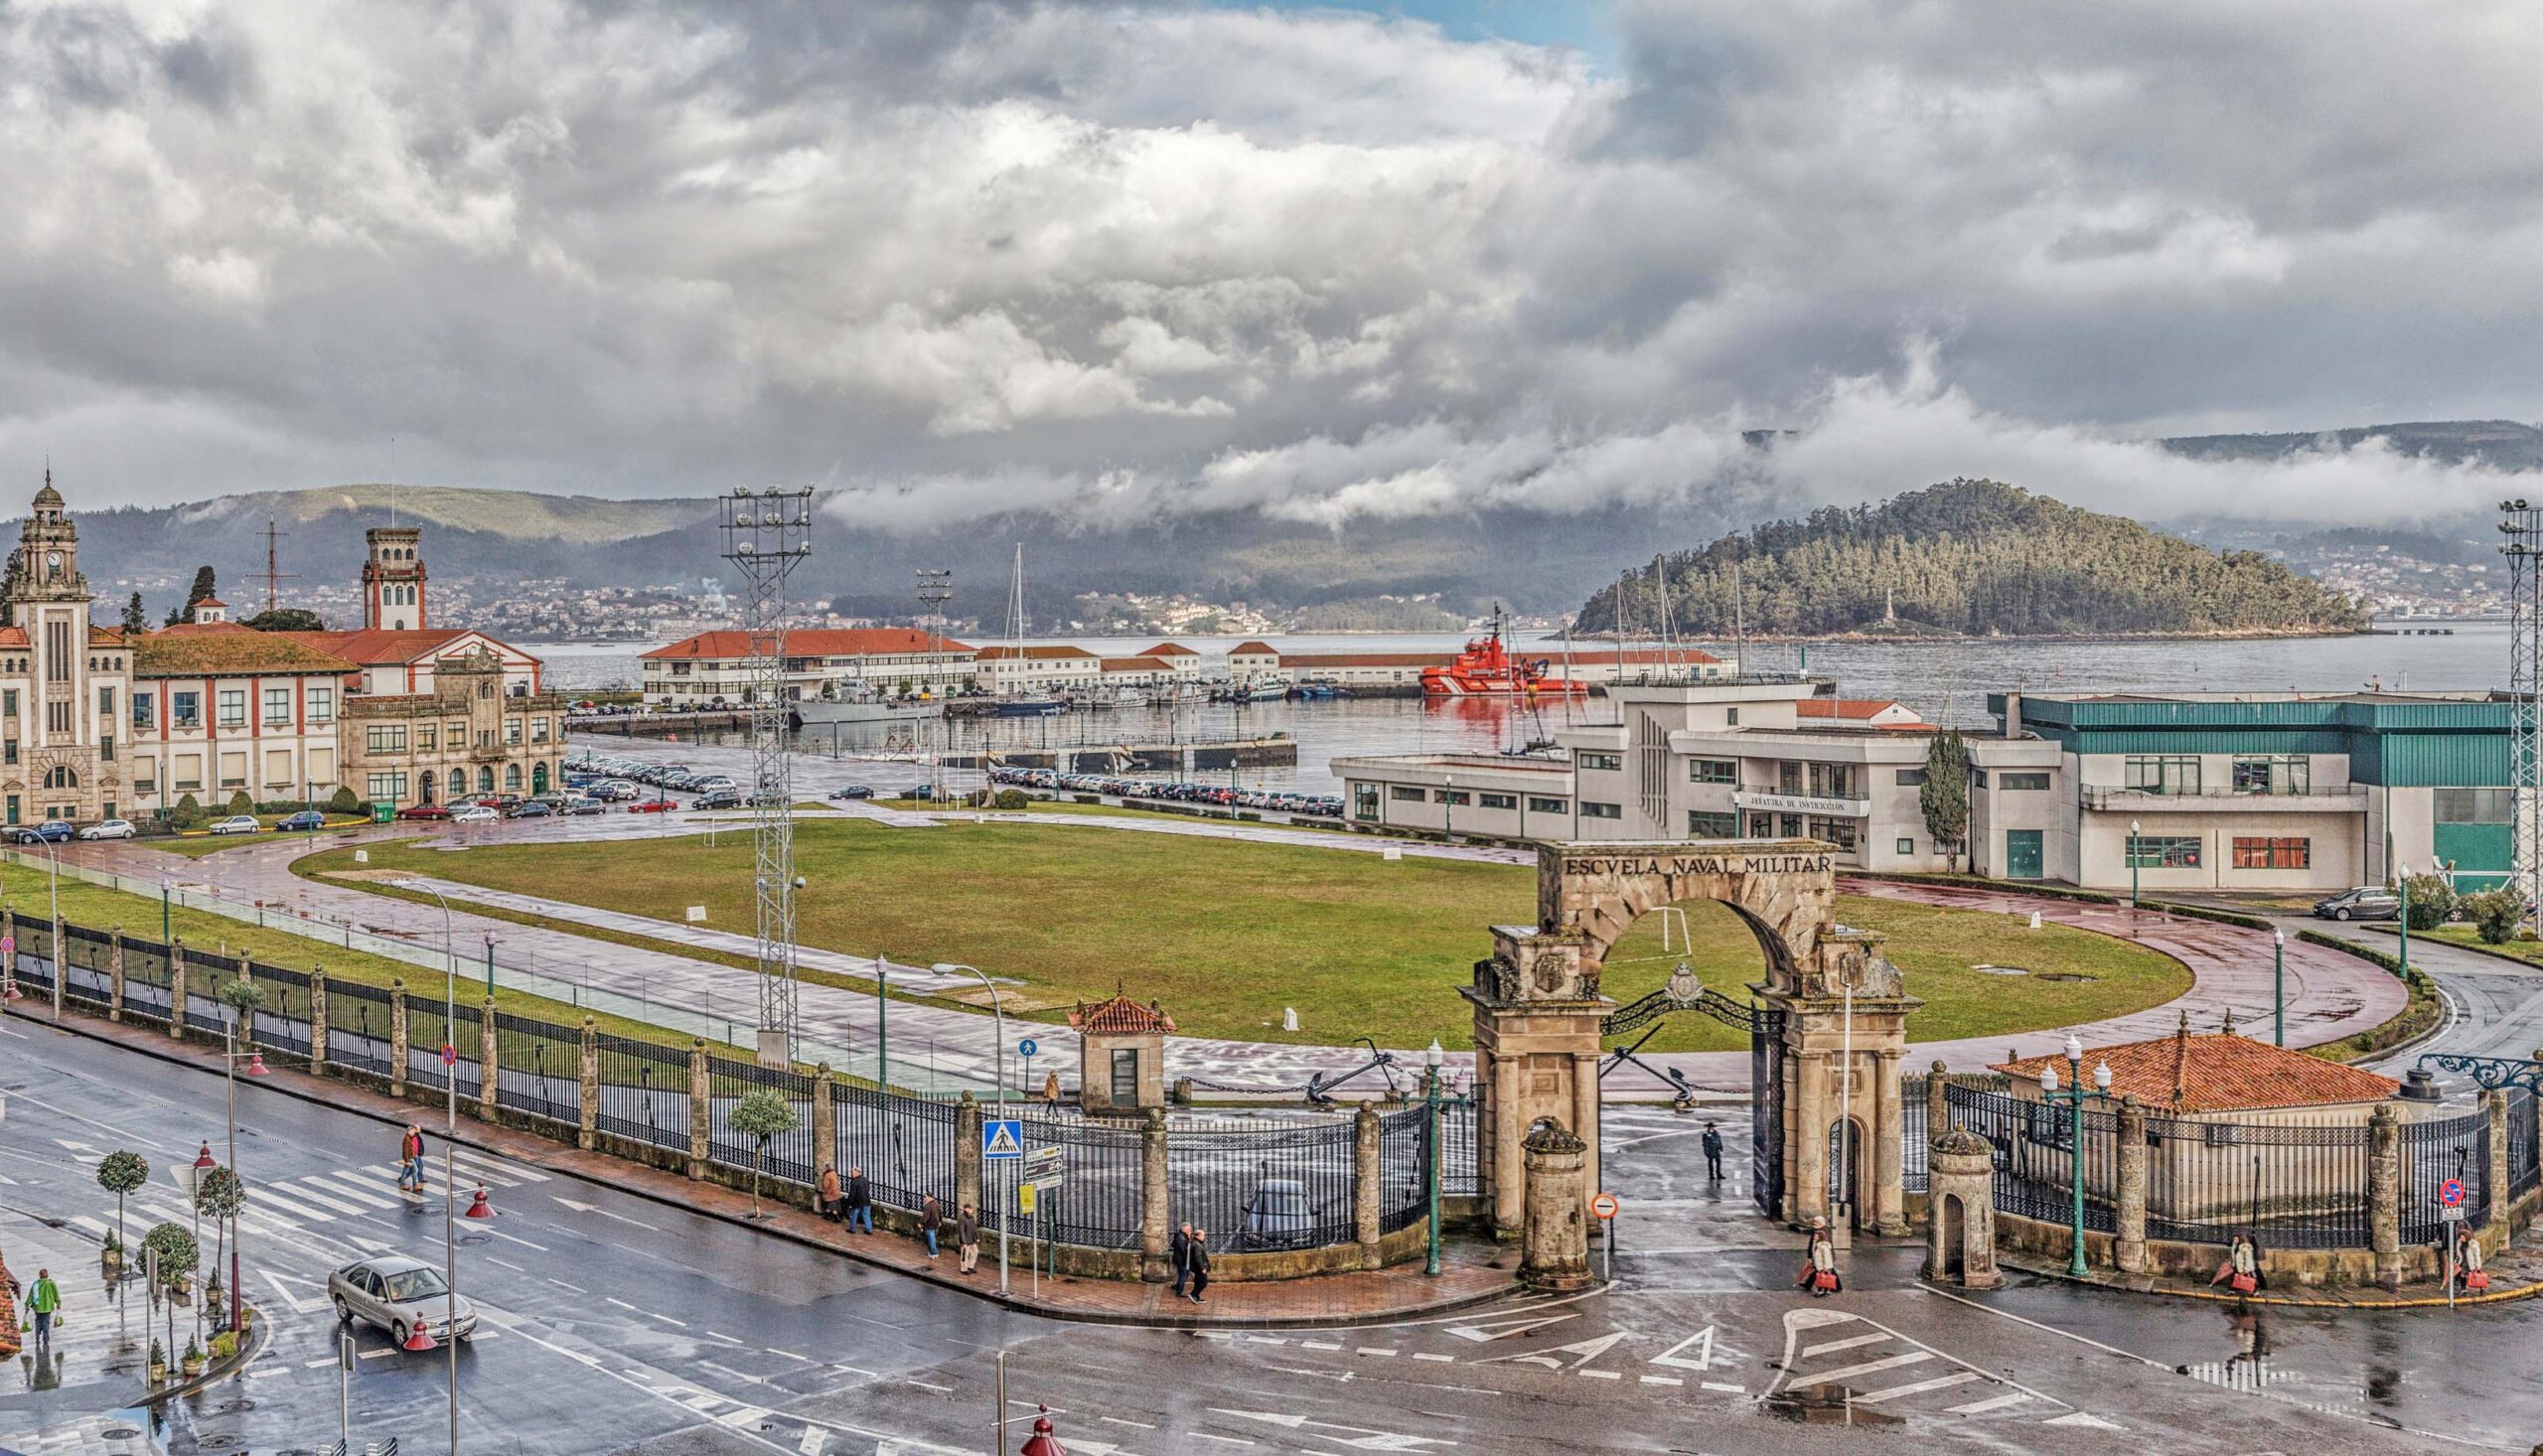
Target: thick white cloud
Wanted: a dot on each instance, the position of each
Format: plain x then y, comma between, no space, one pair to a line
1114,259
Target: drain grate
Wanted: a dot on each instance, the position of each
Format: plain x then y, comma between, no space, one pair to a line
234,1408
120,1433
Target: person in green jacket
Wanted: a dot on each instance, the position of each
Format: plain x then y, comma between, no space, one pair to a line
43,1301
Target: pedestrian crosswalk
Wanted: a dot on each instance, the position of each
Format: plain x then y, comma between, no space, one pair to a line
294,1206
1840,1355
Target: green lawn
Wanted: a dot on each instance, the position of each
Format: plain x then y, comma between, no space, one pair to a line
2465,934
1226,935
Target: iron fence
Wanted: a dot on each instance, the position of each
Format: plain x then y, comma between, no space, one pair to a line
2292,1187
1461,1127
145,980
429,1031
904,1145
2036,1155
1915,1168
2433,1152
88,959
1262,1188
541,1068
643,1092
789,1153
358,1028
283,1023
2523,1171
1405,1147
1096,1203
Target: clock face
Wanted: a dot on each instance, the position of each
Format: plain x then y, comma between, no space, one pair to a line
53,561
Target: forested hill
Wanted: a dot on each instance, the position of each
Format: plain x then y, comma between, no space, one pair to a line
1970,557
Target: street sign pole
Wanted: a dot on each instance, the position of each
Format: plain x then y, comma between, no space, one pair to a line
1605,1206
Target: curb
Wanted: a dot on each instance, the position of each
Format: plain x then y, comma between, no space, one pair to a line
259,1336
285,1082
2436,1301
2492,951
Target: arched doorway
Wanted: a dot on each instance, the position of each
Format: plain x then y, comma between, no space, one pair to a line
485,779
1950,1216
1851,1190
539,778
424,787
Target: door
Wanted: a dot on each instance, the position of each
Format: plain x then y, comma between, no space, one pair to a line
2023,854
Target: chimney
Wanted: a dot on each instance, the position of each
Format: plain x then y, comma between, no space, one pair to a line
2013,714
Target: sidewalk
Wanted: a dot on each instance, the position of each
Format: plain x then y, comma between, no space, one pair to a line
1471,1270
2515,1275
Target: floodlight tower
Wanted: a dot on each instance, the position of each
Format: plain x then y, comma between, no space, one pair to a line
934,587
766,534
2522,525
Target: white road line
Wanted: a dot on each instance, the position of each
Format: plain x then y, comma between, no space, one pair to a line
789,1354
1365,1349
1598,1375
1724,1387
561,1284
1662,1380
509,1238
1938,1382
1834,1346
314,1216
1317,1345
329,1183
495,1167
341,1203
923,1385
1441,1358
1119,1420
515,1268
1869,1367
102,1230
1978,1408
1230,1440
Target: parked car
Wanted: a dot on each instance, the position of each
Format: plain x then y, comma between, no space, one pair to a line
393,1291
303,822
1278,1215
50,831
579,805
424,812
529,808
718,798
236,825
853,791
651,805
2366,902
474,814
109,829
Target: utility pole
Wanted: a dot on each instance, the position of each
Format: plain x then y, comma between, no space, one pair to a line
766,534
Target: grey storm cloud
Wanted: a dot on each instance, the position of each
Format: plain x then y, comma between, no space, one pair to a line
1112,260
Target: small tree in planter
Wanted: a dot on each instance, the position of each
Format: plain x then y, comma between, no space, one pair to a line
177,1251
120,1172
219,1196
2433,901
191,1363
761,1115
158,1361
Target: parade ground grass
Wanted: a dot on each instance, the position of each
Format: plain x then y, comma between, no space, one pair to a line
1227,934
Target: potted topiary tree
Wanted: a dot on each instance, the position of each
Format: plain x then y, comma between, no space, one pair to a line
761,1115
219,1196
158,1361
178,1254
120,1172
190,1365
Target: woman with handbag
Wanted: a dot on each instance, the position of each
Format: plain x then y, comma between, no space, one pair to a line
2467,1261
2241,1270
1819,1269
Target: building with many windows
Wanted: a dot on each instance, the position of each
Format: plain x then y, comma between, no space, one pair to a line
470,733
62,681
220,709
715,666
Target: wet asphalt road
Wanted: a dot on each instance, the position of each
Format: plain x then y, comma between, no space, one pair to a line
615,1323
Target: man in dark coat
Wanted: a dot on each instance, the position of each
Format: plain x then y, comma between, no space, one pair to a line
1713,1151
1178,1254
1196,1255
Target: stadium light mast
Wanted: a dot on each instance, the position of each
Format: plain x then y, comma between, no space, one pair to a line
767,533
2522,525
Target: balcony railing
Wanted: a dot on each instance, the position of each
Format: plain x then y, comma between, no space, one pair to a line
2331,799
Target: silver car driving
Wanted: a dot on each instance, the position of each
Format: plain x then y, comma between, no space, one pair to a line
392,1291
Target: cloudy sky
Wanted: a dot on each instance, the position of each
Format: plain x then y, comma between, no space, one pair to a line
1121,258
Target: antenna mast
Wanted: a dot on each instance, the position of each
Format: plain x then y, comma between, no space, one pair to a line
274,575
767,533
2522,524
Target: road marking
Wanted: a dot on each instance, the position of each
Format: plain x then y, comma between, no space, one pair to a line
1120,1421
1599,1374
813,1440
561,1284
2089,1422
1317,1345
297,1306
1366,1349
1443,1359
1587,1350
1662,1380
923,1385
271,1201
1981,1408
334,1184
1490,1330
1230,1440
499,1168
586,1208
376,1354
791,1355
507,1238
1833,1346
342,1203
1938,1382
1701,1360
1870,1367
501,1264
1724,1387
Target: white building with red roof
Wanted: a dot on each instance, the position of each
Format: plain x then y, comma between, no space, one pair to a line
714,667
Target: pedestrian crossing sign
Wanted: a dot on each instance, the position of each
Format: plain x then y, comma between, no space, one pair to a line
1003,1138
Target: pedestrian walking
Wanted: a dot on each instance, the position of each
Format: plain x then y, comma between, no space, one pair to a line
1819,1269
825,1194
861,1201
930,1217
1713,1151
44,1301
966,1238
1179,1256
1197,1254
410,1160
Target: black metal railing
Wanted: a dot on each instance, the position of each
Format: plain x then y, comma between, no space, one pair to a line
2523,1171
1262,1189
643,1092
2036,1155
2291,1187
1405,1150
539,1068
1915,1170
2434,1152
789,1153
358,1028
904,1145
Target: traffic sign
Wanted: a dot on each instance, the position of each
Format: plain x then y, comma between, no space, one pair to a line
449,1055
2450,1192
1027,1048
1024,1197
1003,1139
1045,1164
2450,1214
1605,1206
8,944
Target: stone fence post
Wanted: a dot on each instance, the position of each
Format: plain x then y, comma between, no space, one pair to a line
1155,1209
825,1124
966,1153
1961,1172
701,1107
2129,1241
114,973
1937,1101
397,1037
2494,1233
587,1089
318,1020
2384,1194
1367,1180
9,927
486,1070
1553,1237
177,988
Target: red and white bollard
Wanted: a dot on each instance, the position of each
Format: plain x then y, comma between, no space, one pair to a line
420,1338
1042,1442
480,1208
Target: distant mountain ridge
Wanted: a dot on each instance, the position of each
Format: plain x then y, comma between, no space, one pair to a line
1970,557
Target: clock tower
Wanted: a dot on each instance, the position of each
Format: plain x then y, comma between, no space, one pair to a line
63,684
393,578
48,553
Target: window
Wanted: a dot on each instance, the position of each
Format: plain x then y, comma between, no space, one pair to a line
1907,846
426,733
387,788
9,703
322,704
2010,780
9,752
385,738
1708,825
1125,1075
1497,800
186,709
1453,798
106,750
539,730
1713,771
2273,854
233,707
1364,801
1538,804
1405,793
2173,774
2165,852
485,780
512,778
1733,719
511,731
679,670
57,652
1613,763
2474,805
56,719
12,809
144,709
277,705
1591,810
2274,774
457,736
1831,781
1911,778
105,705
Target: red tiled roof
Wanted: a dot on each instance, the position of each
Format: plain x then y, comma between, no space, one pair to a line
1252,650
1120,1016
2219,1073
1037,654
1169,650
1843,707
815,642
13,636
1134,664
228,650
374,646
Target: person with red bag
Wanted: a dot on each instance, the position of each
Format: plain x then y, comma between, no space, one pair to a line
2241,1270
1819,1271
2467,1261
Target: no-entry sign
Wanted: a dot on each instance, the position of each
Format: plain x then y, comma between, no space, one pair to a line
1605,1206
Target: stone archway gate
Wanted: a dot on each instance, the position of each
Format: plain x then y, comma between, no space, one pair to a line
1538,1014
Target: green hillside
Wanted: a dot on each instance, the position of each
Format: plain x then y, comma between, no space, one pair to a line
1971,558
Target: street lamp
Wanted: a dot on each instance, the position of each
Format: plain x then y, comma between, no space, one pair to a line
2133,829
450,1137
2278,987
2403,973
1430,1059
1449,808
2075,1097
53,934
490,965
883,1025
229,1099
166,934
998,1009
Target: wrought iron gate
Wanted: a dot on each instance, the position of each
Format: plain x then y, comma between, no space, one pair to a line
1766,1028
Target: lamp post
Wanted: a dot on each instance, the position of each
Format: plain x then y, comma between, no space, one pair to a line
883,1025
230,1108
450,1135
490,965
2134,829
998,1009
166,934
53,932
1430,1059
1449,808
2075,1097
2278,988
2404,871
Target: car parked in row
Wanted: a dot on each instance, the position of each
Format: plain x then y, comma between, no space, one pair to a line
474,814
302,822
235,825
51,831
109,829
